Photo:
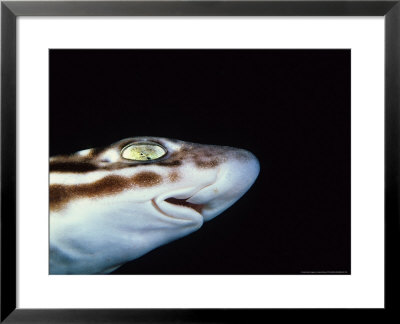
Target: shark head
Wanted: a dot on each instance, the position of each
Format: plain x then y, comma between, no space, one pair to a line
114,204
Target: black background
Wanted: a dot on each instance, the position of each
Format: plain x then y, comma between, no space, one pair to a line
291,108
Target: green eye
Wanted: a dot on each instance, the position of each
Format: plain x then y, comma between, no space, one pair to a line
143,152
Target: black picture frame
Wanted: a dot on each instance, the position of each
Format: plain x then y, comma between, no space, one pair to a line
10,10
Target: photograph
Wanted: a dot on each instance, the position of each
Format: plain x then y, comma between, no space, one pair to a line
200,161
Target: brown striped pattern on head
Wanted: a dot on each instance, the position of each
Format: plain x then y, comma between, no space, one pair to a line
109,185
109,158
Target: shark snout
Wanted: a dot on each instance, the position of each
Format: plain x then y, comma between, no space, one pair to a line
235,177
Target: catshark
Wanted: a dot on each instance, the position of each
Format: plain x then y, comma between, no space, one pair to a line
114,204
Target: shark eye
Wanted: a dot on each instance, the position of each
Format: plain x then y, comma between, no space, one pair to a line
143,152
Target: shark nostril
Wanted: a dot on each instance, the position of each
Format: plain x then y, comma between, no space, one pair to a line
185,203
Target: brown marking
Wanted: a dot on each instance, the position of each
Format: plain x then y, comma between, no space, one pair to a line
207,163
146,179
173,176
60,195
173,163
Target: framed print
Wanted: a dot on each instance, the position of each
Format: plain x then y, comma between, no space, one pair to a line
196,90
214,158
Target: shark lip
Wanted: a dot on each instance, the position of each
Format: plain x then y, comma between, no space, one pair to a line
183,202
176,205
180,203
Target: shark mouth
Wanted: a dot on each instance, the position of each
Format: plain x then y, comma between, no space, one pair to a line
185,203
178,204
178,209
